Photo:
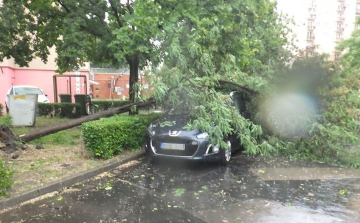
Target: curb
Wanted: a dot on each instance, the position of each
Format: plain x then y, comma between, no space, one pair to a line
66,182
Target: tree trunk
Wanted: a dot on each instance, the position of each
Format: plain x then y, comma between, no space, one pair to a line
75,122
134,77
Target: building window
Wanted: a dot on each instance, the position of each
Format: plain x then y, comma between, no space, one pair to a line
340,27
311,24
337,56
310,35
340,17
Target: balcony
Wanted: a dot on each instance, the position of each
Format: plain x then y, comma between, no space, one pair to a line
311,27
338,40
341,8
312,16
310,38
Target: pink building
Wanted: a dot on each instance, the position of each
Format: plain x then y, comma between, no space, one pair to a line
41,75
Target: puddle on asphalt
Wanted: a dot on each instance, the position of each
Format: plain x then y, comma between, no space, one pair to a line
302,173
265,211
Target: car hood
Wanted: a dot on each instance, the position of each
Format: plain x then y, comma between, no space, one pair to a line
172,123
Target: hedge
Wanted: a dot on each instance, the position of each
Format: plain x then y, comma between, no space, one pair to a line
1,108
110,136
102,105
62,110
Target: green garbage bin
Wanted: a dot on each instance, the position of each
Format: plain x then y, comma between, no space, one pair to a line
65,98
81,100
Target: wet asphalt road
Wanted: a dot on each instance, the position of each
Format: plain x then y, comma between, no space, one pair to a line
172,191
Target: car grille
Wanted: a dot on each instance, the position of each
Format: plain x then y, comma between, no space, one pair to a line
190,149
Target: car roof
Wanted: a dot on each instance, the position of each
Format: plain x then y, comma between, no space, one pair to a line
20,86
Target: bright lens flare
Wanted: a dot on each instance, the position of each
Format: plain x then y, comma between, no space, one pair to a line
289,115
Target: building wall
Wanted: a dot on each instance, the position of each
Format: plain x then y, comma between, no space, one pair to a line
6,80
320,25
41,75
120,88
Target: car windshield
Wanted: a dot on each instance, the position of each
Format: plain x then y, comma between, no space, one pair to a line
181,109
27,90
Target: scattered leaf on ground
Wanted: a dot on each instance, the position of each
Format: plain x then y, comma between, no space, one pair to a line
179,191
343,192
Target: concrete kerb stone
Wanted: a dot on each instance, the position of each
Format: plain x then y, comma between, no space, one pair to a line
66,182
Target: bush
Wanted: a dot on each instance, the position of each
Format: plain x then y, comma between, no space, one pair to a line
6,180
62,110
5,120
1,108
103,105
110,136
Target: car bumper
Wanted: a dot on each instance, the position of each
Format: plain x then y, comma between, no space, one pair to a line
202,152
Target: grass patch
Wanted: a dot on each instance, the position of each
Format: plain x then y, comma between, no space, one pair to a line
5,120
63,138
64,154
66,137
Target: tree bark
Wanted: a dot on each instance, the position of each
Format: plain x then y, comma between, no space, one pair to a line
134,77
238,85
75,122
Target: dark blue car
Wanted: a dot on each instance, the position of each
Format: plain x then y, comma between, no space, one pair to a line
168,138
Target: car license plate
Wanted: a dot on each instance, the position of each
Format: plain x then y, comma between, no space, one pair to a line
172,146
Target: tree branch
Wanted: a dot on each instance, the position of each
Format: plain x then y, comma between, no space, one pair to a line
64,6
97,15
90,31
238,85
116,13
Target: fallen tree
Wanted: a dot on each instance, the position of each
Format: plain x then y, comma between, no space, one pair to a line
9,142
76,122
7,139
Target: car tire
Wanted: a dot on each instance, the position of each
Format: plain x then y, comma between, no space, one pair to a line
148,150
7,109
226,153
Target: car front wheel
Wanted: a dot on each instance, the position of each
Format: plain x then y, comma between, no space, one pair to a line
226,153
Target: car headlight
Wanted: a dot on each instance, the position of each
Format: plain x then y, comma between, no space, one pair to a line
151,129
216,149
202,135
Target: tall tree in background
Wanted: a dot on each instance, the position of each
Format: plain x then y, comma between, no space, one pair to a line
199,44
108,32
351,50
